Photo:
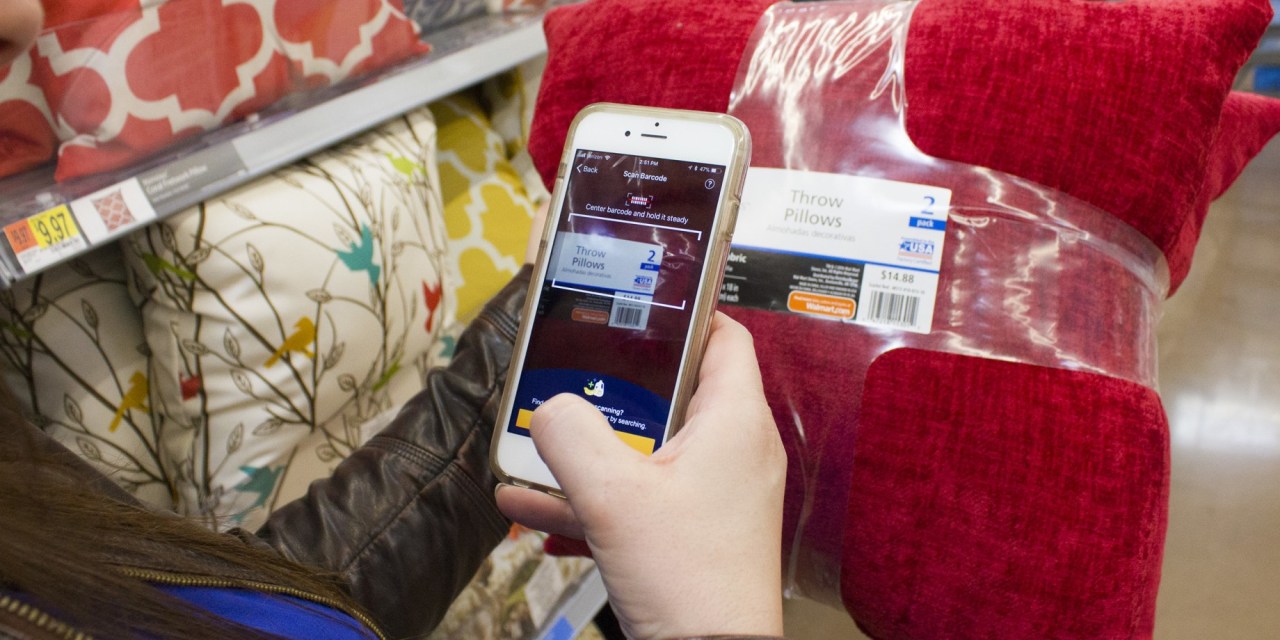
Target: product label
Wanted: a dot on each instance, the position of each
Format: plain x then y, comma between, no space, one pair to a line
623,270
45,238
543,590
183,180
840,247
604,262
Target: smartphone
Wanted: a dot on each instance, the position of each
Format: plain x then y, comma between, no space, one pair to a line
627,276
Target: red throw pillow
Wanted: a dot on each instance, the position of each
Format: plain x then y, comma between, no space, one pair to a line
1110,117
662,53
1018,502
127,83
325,40
1171,138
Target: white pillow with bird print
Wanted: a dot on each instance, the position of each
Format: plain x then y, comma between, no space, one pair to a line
74,357
285,315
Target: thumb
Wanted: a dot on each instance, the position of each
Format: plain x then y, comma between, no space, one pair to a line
19,25
577,443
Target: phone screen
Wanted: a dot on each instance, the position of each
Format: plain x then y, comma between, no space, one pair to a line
616,304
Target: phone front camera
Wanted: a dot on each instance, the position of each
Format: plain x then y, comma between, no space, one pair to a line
627,134
656,123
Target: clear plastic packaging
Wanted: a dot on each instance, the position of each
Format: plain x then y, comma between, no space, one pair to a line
821,87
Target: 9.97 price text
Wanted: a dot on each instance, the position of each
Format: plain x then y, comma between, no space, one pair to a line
53,228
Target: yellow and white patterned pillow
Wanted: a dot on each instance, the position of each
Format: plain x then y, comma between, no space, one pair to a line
510,98
488,212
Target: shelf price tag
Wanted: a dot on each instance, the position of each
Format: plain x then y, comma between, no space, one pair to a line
45,238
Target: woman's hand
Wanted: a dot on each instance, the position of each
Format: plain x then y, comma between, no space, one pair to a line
689,539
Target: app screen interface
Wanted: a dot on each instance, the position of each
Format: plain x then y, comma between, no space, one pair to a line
617,300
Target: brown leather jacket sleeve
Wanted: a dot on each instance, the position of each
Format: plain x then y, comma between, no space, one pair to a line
407,519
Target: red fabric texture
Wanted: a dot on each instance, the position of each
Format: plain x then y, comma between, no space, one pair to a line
192,65
1249,121
637,52
985,500
1125,121
557,545
1134,119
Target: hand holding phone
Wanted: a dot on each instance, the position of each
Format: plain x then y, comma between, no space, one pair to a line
627,277
689,539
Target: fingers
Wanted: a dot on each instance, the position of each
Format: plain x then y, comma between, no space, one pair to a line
577,443
581,451
729,378
538,510
20,22
729,365
728,415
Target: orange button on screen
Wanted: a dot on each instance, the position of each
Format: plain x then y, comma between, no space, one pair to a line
591,316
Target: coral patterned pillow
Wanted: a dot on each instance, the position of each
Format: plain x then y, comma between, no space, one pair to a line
26,133
27,137
129,82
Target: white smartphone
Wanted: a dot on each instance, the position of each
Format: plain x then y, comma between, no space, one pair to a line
627,277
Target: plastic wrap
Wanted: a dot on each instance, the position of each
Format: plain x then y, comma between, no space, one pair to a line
821,89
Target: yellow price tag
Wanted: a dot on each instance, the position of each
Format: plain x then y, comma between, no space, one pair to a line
54,226
43,230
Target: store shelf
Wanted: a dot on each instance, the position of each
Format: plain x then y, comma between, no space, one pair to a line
46,223
1261,74
577,609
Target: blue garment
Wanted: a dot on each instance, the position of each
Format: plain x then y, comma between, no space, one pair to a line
281,615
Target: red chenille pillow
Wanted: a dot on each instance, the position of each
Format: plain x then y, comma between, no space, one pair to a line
1146,132
1018,502
1077,96
127,83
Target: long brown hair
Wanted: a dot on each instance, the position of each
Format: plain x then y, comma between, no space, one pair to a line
57,539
